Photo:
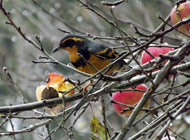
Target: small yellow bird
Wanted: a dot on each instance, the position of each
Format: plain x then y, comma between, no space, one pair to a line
87,56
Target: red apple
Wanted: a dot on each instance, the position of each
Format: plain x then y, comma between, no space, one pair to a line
130,97
179,13
155,51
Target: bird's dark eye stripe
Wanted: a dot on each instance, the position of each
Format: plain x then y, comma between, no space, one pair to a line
69,43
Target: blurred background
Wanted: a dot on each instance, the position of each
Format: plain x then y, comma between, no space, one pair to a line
44,18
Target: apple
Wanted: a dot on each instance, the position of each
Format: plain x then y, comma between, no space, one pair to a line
130,97
54,88
179,13
155,51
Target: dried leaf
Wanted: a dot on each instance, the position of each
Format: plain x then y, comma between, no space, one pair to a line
97,129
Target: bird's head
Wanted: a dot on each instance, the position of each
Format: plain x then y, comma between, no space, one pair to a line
69,41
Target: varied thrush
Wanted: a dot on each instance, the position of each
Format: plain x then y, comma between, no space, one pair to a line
87,56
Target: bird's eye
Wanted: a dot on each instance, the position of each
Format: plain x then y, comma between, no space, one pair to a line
69,43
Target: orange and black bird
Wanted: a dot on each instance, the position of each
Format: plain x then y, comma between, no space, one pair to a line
87,56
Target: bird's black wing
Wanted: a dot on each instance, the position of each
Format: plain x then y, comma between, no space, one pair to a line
102,51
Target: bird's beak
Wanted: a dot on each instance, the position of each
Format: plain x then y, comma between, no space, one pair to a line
56,49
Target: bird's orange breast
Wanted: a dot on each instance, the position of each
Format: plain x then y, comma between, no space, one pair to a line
73,53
